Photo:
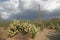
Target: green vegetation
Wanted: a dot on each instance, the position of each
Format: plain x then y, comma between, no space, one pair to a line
52,23
29,27
24,28
5,23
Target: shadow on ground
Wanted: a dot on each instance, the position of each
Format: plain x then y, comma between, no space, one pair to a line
54,36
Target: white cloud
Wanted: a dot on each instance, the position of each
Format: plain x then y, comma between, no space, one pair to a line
50,4
29,4
37,1
26,4
5,15
12,6
46,5
1,8
11,3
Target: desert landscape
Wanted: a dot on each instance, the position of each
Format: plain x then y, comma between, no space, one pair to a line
29,19
46,34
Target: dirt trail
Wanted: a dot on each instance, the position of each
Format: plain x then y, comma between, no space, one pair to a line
41,35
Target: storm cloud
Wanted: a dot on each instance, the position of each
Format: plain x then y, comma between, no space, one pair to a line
28,9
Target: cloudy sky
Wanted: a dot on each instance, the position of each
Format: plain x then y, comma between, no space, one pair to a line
20,9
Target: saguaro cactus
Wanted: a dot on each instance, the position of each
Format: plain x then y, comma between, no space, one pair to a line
40,18
0,18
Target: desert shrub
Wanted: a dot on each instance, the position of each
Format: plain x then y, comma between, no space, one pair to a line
24,28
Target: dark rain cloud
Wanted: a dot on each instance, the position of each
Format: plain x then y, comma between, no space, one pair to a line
28,9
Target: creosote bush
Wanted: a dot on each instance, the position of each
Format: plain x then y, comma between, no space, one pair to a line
24,28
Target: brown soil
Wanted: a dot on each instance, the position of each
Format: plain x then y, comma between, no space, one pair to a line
41,35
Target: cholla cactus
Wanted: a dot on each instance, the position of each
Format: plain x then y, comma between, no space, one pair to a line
13,28
33,30
12,33
25,28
